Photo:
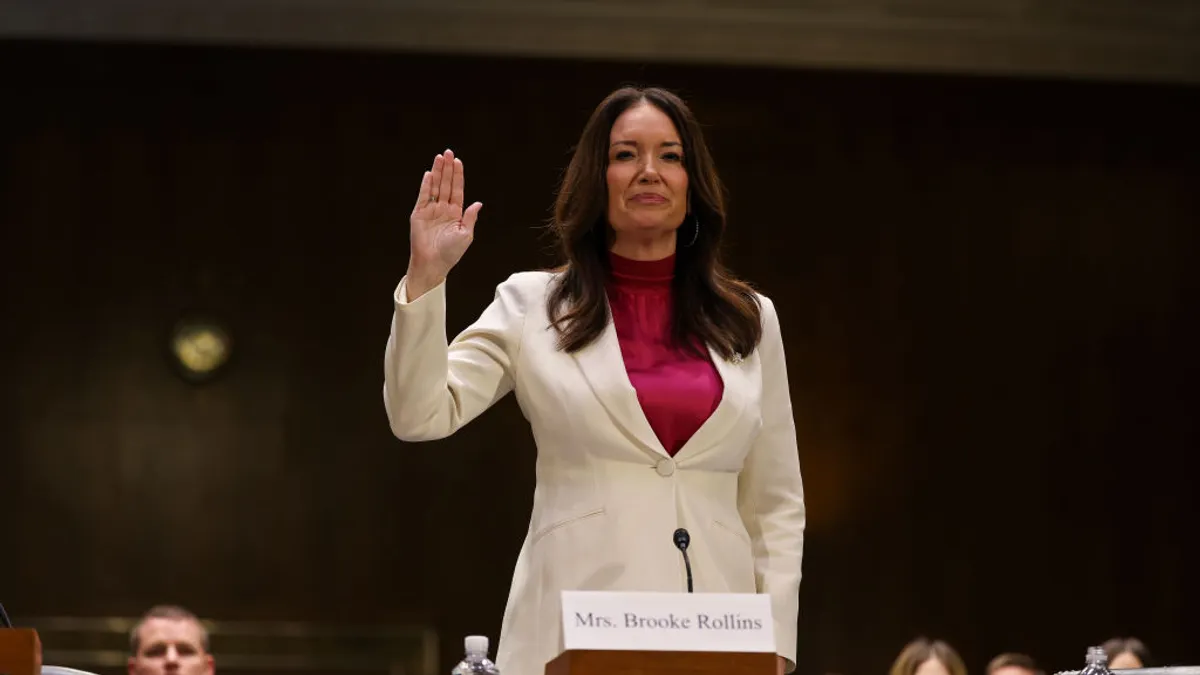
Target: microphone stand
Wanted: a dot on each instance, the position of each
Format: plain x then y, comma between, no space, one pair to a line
682,539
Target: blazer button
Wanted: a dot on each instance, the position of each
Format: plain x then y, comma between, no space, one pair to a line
665,467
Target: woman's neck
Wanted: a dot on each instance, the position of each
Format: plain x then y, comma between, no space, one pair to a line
642,273
655,248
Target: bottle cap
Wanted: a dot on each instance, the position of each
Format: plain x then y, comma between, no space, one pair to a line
476,644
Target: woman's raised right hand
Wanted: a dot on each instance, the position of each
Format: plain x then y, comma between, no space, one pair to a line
440,230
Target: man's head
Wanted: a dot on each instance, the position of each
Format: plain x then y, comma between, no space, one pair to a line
169,640
1013,664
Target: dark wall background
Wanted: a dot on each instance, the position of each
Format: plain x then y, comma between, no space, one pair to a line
987,289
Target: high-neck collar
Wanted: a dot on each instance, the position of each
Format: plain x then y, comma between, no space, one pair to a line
629,272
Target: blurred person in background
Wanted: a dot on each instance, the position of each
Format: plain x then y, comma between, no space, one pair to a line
1126,653
928,657
169,639
1013,663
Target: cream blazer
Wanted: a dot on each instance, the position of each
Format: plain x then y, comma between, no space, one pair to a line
608,497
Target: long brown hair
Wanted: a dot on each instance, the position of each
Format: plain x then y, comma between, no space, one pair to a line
710,305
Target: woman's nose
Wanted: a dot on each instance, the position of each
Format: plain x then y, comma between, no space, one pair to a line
649,171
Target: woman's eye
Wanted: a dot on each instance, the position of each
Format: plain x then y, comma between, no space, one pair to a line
624,154
672,157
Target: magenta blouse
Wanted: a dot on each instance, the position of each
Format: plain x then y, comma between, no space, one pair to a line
678,390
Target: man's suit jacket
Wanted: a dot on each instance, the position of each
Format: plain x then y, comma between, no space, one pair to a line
608,496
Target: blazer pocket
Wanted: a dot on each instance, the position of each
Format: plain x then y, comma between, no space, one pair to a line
735,559
565,522
738,530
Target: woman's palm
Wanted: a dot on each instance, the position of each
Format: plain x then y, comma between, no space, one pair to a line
440,229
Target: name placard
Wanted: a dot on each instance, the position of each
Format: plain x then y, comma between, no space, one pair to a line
690,622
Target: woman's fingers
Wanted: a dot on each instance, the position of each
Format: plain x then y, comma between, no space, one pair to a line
446,187
435,179
457,185
469,216
444,183
424,192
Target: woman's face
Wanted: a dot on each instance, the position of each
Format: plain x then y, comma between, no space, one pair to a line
932,666
647,181
1124,660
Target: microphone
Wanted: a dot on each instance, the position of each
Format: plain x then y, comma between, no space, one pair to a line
682,539
4,622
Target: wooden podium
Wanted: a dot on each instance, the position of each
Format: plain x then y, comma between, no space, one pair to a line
20,652
617,662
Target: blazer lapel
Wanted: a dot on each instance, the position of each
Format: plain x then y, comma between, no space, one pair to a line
723,419
604,369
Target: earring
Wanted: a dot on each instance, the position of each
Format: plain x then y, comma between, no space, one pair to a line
695,232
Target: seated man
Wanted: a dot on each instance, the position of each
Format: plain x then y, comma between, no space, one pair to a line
169,639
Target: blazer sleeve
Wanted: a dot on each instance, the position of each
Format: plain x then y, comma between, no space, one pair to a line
431,388
771,493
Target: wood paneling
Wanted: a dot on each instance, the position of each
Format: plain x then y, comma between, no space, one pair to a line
1122,40
987,290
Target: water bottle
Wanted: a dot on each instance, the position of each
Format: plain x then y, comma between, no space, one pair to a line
476,662
1097,662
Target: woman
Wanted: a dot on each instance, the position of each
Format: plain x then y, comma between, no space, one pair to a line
928,657
1126,653
654,381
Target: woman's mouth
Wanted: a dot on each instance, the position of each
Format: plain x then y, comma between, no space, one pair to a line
649,198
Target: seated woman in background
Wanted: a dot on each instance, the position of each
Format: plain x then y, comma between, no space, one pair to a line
928,657
1126,653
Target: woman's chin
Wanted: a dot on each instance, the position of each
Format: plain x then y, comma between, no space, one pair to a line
649,227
